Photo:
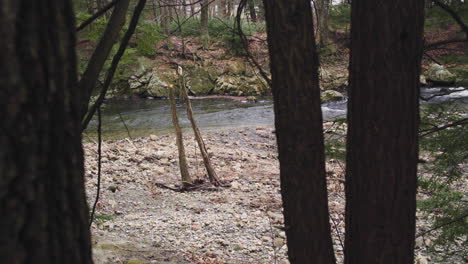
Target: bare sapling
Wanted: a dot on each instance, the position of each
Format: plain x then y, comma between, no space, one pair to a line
212,176
184,173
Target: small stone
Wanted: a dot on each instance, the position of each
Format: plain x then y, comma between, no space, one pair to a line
235,185
278,242
153,137
419,242
421,260
113,188
428,242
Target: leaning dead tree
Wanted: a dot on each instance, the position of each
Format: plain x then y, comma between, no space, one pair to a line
184,173
201,144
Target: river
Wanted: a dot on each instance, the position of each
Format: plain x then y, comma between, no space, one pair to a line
143,117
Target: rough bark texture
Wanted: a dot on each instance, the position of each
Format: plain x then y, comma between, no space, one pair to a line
382,151
183,165
101,53
44,215
298,121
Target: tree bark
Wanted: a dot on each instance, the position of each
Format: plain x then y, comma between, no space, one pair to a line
323,9
212,176
183,165
382,145
111,35
298,122
44,215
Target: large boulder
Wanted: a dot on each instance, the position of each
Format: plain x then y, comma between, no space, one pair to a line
332,78
330,95
148,84
201,81
240,86
237,68
439,75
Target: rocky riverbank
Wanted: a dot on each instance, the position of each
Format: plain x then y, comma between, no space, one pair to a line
138,222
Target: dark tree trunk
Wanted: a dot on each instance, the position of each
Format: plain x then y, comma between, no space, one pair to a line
252,11
44,215
382,150
298,121
101,53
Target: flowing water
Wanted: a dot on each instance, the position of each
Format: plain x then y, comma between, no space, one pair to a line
143,117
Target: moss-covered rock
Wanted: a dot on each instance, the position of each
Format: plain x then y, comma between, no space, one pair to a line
331,78
439,75
237,68
330,95
148,84
202,80
240,86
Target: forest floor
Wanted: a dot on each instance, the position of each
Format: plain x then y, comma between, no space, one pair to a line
138,222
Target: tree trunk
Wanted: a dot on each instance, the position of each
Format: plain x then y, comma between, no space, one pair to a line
204,18
192,8
229,9
101,53
298,121
261,11
222,8
323,9
212,176
382,148
252,12
44,215
165,19
183,165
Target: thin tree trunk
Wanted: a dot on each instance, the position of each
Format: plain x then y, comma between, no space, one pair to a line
204,18
252,11
115,62
222,8
192,8
229,9
261,11
212,176
382,144
323,9
44,215
298,122
111,35
165,19
183,165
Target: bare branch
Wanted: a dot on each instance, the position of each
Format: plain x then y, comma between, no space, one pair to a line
96,15
442,225
461,122
454,15
245,42
435,45
115,62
